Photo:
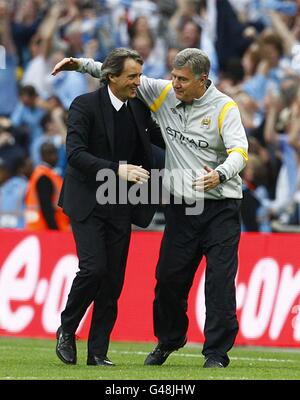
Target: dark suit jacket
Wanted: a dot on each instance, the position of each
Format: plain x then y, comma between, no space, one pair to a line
90,147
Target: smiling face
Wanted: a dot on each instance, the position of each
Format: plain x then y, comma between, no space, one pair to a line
125,85
186,85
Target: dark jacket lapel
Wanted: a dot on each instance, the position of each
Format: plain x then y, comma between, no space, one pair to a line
140,123
108,118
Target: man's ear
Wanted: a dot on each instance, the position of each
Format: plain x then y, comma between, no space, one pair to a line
111,78
203,79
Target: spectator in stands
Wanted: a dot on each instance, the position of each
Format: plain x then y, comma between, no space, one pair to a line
289,32
42,211
189,34
231,36
8,86
10,149
140,26
28,113
4,172
12,194
73,35
25,21
231,78
153,66
267,77
255,216
170,56
281,133
54,131
47,50
37,70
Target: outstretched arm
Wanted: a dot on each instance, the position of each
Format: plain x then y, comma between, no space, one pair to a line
88,65
152,91
66,64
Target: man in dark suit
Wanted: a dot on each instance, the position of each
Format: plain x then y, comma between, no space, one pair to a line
105,128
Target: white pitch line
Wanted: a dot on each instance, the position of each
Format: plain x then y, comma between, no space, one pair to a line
14,378
37,378
142,353
263,359
19,378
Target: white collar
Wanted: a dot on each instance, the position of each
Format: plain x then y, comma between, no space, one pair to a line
117,103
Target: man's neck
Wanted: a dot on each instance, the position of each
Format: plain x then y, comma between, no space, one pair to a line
112,91
201,92
115,100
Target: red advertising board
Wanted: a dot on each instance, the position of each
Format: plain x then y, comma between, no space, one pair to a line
36,272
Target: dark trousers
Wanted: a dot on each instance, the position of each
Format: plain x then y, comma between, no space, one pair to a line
214,233
102,242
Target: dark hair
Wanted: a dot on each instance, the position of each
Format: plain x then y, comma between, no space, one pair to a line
132,28
195,59
46,148
234,71
28,90
188,20
273,39
114,62
45,120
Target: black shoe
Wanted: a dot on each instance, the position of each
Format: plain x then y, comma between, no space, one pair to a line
66,347
159,355
101,361
213,363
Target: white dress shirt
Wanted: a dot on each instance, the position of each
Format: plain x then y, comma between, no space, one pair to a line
117,103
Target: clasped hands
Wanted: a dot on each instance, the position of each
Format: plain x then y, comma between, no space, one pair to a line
137,174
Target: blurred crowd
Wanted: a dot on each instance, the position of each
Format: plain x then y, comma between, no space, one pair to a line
254,48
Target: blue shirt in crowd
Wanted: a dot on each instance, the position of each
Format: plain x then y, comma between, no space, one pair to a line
8,85
12,206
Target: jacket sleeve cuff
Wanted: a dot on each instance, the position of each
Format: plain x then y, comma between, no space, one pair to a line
115,167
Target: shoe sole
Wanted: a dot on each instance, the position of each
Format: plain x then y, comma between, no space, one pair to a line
217,365
100,365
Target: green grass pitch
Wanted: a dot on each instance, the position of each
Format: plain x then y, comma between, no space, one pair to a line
34,359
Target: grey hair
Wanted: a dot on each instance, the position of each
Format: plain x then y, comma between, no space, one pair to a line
195,59
114,62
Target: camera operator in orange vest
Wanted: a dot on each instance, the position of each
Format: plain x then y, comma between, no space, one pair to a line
44,186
